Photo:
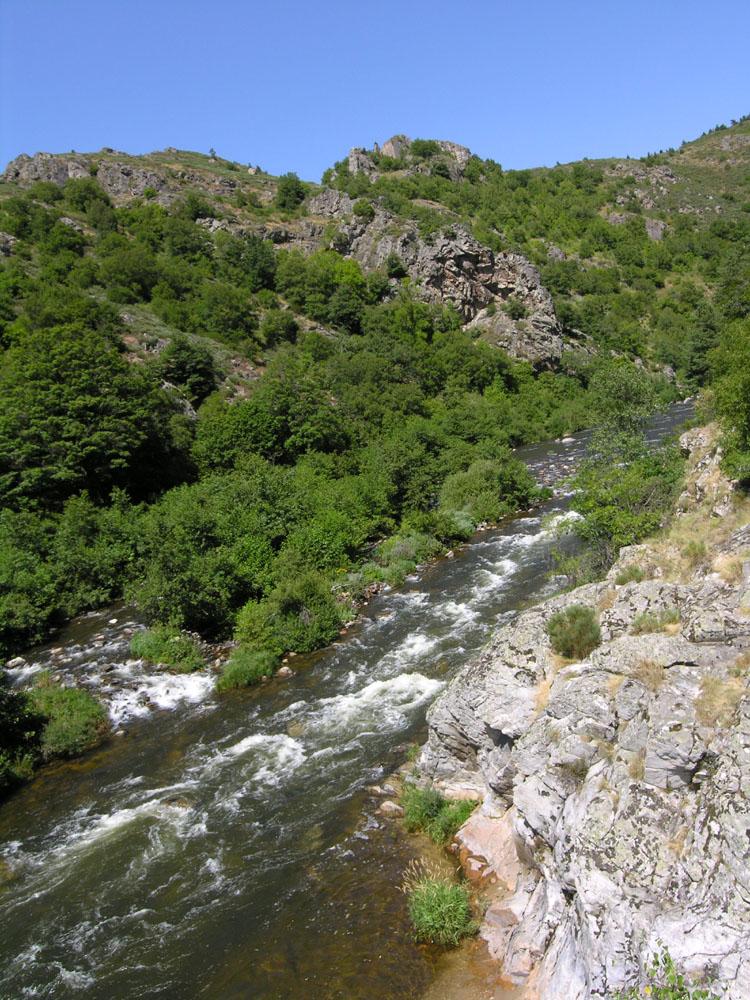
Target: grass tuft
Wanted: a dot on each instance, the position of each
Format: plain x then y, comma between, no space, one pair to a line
439,910
426,809
245,667
163,644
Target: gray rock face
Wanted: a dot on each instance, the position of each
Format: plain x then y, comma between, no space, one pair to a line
655,229
454,268
119,180
616,805
396,145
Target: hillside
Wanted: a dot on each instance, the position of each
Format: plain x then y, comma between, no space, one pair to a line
244,401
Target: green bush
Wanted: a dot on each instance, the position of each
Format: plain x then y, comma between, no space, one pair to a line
300,614
245,667
364,209
574,631
439,910
163,644
74,719
290,192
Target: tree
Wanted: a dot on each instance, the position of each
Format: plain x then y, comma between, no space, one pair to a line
76,416
290,192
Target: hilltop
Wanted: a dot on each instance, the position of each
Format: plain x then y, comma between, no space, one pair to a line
636,256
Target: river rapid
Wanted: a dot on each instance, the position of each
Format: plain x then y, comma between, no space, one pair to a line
226,847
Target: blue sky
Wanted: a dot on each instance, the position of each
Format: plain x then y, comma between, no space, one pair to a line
292,85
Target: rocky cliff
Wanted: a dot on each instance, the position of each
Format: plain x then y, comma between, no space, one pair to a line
616,790
499,296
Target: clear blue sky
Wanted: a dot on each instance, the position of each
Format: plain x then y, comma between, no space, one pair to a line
292,85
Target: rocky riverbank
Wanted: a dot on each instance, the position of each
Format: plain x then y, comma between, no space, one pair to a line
616,791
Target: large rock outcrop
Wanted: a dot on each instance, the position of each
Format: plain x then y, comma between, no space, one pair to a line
616,790
499,296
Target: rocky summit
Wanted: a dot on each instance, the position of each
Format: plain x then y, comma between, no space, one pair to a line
615,791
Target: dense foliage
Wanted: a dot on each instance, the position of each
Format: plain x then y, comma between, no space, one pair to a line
244,438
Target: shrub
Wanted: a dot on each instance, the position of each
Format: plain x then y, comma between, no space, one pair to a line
630,574
394,266
439,910
164,644
245,667
574,631
74,719
695,551
421,805
514,308
364,209
300,614
426,809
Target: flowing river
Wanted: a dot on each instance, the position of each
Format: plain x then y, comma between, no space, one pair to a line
225,847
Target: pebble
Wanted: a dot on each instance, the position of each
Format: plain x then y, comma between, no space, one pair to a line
285,672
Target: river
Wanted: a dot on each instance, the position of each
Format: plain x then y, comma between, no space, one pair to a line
226,847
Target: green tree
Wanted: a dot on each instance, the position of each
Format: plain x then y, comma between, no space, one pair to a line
76,416
290,192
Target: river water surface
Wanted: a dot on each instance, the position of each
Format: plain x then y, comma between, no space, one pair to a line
226,847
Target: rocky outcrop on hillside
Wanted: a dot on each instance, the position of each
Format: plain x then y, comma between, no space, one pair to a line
398,147
499,296
119,180
615,790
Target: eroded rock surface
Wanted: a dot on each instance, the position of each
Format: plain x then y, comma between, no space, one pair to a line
616,808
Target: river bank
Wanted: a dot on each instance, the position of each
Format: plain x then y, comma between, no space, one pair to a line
615,807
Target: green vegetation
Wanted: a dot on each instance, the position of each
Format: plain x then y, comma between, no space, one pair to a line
426,809
625,488
631,574
655,621
74,720
574,631
439,910
244,438
731,392
245,667
666,983
44,722
168,646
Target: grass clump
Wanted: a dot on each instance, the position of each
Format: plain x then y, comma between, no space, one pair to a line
163,644
650,622
439,910
718,699
695,551
631,574
74,719
426,809
574,631
245,667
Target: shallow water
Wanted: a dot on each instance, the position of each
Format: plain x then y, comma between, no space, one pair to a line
226,847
